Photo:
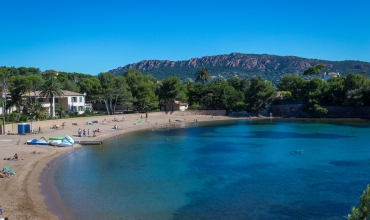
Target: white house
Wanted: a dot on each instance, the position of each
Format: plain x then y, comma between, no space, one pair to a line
72,101
329,75
174,106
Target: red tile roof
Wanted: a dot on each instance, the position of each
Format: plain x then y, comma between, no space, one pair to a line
66,93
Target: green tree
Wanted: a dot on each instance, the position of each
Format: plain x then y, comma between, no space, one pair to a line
18,87
51,88
91,86
363,211
107,81
120,93
60,110
171,89
316,89
34,82
195,94
202,75
335,94
259,95
238,83
17,99
314,69
218,94
366,92
353,87
24,71
189,83
37,111
133,77
294,84
145,98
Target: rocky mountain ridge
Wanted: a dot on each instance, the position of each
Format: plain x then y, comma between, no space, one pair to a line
270,67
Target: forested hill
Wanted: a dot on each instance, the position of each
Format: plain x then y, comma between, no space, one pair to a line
270,67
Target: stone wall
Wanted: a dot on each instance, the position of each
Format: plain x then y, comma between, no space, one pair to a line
296,110
287,110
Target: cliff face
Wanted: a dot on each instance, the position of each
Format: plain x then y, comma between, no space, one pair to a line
269,67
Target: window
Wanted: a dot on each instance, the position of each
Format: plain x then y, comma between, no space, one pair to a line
80,108
74,99
80,99
74,109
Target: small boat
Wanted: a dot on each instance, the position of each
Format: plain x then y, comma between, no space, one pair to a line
67,141
56,138
41,141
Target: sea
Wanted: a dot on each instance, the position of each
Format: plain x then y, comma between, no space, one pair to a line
245,169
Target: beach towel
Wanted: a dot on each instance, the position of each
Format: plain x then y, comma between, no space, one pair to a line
9,170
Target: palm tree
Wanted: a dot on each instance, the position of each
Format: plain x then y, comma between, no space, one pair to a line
202,75
36,111
17,99
60,110
50,89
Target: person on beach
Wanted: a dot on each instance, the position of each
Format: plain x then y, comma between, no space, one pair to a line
94,131
15,157
169,121
39,129
84,132
88,132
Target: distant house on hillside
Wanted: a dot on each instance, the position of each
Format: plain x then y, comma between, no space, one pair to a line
329,75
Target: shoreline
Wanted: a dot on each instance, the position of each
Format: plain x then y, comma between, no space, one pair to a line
53,200
31,194
28,194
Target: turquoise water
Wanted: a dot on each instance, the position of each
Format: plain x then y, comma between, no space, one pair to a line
266,169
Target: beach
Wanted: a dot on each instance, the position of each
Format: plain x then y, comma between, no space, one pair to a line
22,196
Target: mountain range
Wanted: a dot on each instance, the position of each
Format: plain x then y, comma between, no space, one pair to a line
269,67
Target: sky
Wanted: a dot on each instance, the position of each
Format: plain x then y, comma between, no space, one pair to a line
96,36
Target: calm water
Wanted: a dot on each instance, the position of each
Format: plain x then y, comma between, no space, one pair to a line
269,169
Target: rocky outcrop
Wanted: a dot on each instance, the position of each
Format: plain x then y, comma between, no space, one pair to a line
270,67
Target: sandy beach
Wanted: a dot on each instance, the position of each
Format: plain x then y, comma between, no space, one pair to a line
21,196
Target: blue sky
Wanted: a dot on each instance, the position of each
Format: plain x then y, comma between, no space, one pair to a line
96,36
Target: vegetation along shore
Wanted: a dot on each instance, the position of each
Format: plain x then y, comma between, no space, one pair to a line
152,100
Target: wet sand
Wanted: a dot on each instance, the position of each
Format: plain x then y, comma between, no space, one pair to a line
29,194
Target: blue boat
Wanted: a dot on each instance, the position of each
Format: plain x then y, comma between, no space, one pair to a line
41,141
